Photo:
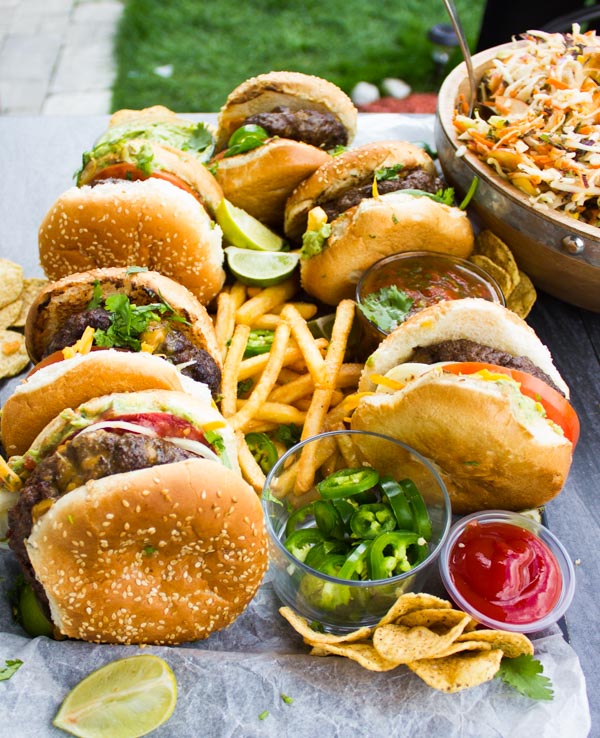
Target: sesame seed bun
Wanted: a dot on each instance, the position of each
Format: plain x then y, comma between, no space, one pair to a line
474,319
489,455
260,181
347,170
161,555
73,293
293,90
147,223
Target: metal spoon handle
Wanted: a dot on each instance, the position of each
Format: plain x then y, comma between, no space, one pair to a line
464,47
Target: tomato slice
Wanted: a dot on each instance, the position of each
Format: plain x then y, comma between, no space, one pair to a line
125,170
163,424
558,409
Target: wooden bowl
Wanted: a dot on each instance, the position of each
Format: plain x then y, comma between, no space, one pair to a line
561,255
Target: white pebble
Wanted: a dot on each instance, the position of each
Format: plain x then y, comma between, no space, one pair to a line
364,93
397,88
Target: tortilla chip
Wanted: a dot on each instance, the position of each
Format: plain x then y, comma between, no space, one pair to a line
13,355
495,271
32,286
488,244
460,671
511,644
411,601
523,297
438,620
11,281
9,313
363,653
314,638
461,645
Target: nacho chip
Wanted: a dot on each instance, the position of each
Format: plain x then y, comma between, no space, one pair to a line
314,638
460,671
13,355
461,645
488,244
363,653
511,644
32,286
523,297
498,273
9,313
411,601
438,620
11,282
402,644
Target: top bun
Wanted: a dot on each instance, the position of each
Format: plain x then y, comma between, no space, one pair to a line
474,319
145,116
293,90
120,223
350,169
72,294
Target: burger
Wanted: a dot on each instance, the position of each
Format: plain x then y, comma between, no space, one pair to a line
133,524
152,331
469,385
369,202
274,131
144,197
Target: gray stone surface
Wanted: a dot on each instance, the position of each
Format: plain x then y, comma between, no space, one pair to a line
56,56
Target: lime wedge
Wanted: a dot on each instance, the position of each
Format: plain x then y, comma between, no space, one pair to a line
244,231
262,268
123,699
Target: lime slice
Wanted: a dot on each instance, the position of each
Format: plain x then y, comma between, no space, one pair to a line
123,699
244,231
262,268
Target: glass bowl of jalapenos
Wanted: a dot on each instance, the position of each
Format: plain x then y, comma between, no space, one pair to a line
348,539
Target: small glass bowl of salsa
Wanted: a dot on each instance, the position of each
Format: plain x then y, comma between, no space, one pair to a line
507,571
400,285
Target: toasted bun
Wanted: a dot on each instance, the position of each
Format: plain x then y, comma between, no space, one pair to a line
162,555
378,227
148,223
72,294
474,319
261,180
152,114
67,384
489,456
166,160
293,90
349,169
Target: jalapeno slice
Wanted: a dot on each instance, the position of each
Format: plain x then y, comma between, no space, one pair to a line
371,520
355,566
246,138
259,342
398,502
418,508
263,449
348,482
388,554
319,554
297,518
328,519
301,541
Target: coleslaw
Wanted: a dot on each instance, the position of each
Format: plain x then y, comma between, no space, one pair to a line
544,133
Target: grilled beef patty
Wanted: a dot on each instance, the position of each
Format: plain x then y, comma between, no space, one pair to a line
323,130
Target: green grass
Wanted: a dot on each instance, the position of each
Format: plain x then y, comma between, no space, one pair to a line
213,47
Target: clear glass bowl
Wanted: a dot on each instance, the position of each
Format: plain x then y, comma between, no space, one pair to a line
342,605
418,273
561,556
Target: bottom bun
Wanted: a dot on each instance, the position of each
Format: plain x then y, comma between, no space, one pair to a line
377,227
70,383
162,555
488,458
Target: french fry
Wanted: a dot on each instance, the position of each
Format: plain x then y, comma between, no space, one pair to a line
267,321
256,364
251,470
348,451
265,301
231,366
306,341
267,379
276,412
239,294
306,309
293,390
260,426
224,320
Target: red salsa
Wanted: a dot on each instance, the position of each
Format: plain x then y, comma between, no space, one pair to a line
505,572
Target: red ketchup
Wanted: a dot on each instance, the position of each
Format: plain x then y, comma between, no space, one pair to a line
505,572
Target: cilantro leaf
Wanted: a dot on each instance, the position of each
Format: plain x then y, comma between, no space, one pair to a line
289,434
96,300
128,322
524,673
12,665
200,140
387,307
386,173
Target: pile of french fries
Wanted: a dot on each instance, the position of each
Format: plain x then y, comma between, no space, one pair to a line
302,379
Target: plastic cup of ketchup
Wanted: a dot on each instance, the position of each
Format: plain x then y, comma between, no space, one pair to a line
507,571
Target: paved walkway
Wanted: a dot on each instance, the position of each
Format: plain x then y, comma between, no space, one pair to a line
56,56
